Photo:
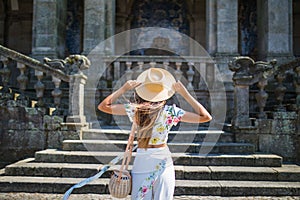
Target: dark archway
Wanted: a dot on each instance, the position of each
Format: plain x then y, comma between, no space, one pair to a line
17,19
248,28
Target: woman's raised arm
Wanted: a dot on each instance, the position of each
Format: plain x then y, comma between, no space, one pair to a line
107,105
201,114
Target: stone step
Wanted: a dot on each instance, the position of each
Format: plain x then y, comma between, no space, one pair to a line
174,136
28,167
119,145
183,187
266,160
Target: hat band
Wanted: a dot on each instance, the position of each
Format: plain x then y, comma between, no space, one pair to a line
154,87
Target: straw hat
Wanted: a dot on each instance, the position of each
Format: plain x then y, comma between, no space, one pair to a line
157,85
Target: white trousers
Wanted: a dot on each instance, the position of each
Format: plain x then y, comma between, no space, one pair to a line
145,184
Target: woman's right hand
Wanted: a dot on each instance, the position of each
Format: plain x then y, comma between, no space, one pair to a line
130,84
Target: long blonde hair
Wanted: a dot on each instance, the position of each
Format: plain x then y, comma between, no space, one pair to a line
146,114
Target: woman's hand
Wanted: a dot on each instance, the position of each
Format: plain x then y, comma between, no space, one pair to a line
108,106
130,84
200,115
180,88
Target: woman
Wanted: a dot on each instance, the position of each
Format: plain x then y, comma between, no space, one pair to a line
153,174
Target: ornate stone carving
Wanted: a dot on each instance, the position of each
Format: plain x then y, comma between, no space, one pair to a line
247,72
73,64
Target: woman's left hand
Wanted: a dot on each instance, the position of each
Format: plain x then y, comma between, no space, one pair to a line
130,84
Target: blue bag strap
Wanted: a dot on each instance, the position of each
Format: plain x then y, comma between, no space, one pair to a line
104,168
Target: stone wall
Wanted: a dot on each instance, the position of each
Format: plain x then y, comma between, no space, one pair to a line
278,135
24,130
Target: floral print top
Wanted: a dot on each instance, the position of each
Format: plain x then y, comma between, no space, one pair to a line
170,116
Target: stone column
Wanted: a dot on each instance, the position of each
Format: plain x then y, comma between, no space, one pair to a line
48,28
223,33
211,26
76,99
242,79
94,25
275,30
110,25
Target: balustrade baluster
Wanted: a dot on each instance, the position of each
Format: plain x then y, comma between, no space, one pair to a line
117,72
109,75
56,93
40,88
210,73
166,65
261,97
178,72
139,70
280,91
202,83
129,71
152,64
5,75
22,80
190,74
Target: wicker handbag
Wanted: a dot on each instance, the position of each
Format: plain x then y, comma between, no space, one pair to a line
120,182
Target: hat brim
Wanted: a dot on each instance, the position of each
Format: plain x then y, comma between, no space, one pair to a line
166,93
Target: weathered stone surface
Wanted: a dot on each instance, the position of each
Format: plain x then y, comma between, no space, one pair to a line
284,145
242,173
264,126
263,188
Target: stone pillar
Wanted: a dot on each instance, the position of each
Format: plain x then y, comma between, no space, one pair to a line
49,18
242,79
241,104
275,30
94,25
226,34
110,25
76,99
211,26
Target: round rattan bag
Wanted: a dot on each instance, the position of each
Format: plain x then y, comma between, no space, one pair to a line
120,184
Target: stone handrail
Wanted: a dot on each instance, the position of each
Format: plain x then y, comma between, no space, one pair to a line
32,63
248,72
67,70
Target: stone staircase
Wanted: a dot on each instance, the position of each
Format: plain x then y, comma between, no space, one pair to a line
230,169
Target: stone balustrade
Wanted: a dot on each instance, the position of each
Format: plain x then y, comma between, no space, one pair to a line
247,73
275,126
68,70
197,72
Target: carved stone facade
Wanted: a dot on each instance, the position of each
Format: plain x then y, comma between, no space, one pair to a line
225,28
